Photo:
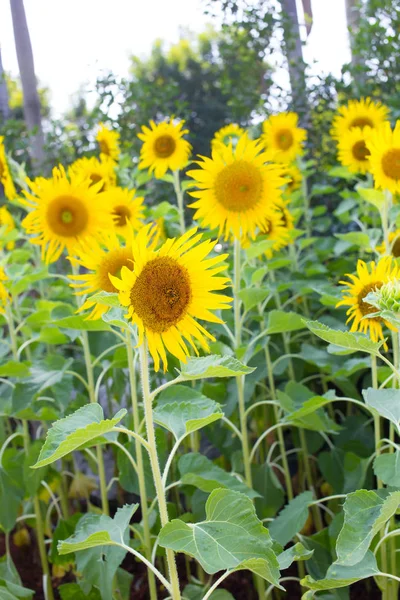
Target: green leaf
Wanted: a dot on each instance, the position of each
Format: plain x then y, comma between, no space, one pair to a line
197,470
387,468
213,366
339,576
68,434
295,552
309,407
231,537
93,542
73,591
386,403
344,339
280,321
49,372
11,494
355,238
375,197
107,298
252,296
14,369
365,513
182,410
258,248
291,519
79,323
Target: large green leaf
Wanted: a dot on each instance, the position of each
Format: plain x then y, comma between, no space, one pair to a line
11,494
386,403
12,368
339,576
387,468
80,323
213,366
182,410
95,541
77,430
280,321
291,519
344,339
365,513
252,296
231,537
197,470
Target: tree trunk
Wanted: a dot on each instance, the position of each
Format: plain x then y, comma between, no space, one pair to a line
294,55
32,109
4,105
353,17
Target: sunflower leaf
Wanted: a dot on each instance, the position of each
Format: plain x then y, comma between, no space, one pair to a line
386,403
213,366
339,576
344,339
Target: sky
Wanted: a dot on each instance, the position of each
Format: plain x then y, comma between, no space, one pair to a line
74,40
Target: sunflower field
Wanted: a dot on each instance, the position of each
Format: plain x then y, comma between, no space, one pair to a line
200,396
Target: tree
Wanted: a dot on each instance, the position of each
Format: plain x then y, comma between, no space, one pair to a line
294,54
32,107
4,105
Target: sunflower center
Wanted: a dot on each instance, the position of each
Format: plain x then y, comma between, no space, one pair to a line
391,163
112,265
104,148
161,294
2,169
164,146
95,177
284,139
122,215
238,187
67,216
361,122
360,151
396,247
364,307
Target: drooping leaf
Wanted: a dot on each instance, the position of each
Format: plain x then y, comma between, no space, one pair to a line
291,519
231,536
213,366
339,576
387,468
344,339
68,434
295,552
197,470
386,402
182,410
365,513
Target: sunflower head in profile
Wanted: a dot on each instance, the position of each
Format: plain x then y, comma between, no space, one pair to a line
108,141
384,147
229,134
169,289
282,207
100,258
5,174
164,147
367,279
8,223
359,113
352,149
274,230
237,189
64,212
96,170
283,138
293,176
394,244
127,209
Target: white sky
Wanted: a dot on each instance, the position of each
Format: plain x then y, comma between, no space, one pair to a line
74,40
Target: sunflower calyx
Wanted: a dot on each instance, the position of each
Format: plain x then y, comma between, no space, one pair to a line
387,301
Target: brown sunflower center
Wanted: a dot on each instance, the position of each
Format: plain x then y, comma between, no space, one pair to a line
360,151
238,187
396,247
2,169
284,139
95,177
112,264
361,122
364,307
161,294
104,147
121,214
67,216
164,146
391,163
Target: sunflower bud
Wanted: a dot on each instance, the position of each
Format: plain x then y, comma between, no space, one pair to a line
387,297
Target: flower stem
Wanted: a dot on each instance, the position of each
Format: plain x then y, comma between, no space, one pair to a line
179,198
306,202
140,466
155,465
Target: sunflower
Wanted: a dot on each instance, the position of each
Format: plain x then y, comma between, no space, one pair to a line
168,289
394,244
274,230
293,176
226,135
7,221
64,213
108,141
237,189
384,146
100,258
4,297
5,175
367,279
352,149
164,147
127,210
283,138
286,216
96,170
359,113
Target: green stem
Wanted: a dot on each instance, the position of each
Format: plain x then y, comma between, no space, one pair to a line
306,460
140,466
179,198
385,219
306,203
155,465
